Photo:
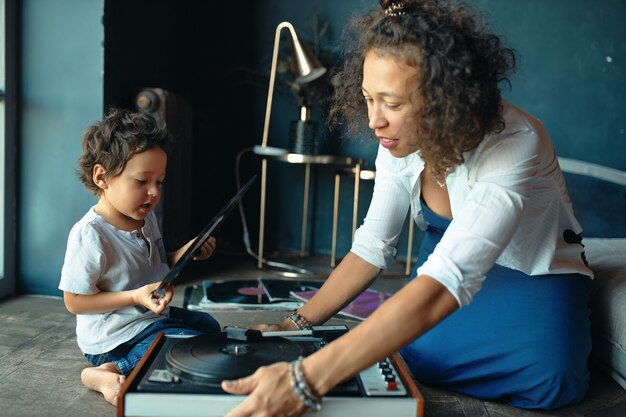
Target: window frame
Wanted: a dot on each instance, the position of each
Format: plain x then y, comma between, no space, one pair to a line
12,38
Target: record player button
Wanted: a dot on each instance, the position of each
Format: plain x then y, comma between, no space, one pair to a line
164,376
392,386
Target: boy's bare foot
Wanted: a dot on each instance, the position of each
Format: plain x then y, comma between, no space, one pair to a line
105,379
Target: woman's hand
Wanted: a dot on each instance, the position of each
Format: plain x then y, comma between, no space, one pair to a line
269,393
147,297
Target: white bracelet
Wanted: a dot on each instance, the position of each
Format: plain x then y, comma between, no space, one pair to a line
302,388
300,322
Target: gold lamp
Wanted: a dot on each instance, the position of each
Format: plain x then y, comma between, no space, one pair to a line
306,68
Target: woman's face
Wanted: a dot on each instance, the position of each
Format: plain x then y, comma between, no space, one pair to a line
391,91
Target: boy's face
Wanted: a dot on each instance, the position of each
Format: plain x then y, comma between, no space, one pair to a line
128,198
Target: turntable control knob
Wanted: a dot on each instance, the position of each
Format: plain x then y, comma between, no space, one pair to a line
382,380
163,376
392,386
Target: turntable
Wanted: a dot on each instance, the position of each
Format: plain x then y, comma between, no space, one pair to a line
182,375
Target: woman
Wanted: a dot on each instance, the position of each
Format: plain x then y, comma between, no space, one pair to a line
483,180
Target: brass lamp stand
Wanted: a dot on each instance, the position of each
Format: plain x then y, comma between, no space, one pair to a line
306,69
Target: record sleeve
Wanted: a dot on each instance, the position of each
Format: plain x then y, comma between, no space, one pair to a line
360,308
202,237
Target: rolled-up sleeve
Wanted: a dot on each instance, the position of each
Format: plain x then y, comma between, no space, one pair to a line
375,240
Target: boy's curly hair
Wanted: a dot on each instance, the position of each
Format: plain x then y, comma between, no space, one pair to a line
113,142
460,63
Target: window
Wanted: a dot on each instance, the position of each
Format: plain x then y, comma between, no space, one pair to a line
2,131
8,106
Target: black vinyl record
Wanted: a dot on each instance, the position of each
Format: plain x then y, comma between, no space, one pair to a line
259,291
280,289
208,359
241,291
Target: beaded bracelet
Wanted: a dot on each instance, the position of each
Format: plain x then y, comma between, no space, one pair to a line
300,322
302,388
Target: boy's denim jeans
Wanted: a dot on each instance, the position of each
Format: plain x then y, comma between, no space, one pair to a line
180,322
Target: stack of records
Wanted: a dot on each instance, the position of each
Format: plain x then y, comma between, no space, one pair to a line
276,294
260,293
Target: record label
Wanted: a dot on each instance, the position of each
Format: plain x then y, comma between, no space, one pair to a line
240,291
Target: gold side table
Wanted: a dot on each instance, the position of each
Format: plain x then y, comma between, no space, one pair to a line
365,175
268,153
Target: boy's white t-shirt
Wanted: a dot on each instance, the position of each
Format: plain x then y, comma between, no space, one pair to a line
100,257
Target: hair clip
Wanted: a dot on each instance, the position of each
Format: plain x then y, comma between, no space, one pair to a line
395,9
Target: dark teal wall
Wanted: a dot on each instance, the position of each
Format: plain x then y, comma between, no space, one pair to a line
572,72
572,75
62,95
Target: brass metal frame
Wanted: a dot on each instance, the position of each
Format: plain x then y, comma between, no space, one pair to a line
308,68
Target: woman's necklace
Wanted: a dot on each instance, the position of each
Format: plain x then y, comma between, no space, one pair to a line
441,184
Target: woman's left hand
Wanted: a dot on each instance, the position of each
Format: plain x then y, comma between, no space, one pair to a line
269,393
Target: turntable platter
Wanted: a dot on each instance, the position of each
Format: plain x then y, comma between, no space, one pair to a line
208,359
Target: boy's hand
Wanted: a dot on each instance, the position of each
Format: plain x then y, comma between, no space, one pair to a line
205,250
147,297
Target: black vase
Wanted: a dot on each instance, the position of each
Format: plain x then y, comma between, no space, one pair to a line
303,137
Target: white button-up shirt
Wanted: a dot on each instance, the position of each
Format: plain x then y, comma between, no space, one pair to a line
100,257
509,206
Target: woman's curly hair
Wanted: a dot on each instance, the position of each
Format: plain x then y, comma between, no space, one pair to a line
461,67
113,142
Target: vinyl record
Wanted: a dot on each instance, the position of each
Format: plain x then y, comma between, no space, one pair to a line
208,359
242,291
281,289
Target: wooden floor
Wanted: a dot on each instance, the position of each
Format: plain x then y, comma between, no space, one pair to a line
40,362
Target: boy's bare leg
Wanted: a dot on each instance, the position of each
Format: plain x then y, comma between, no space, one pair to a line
105,379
